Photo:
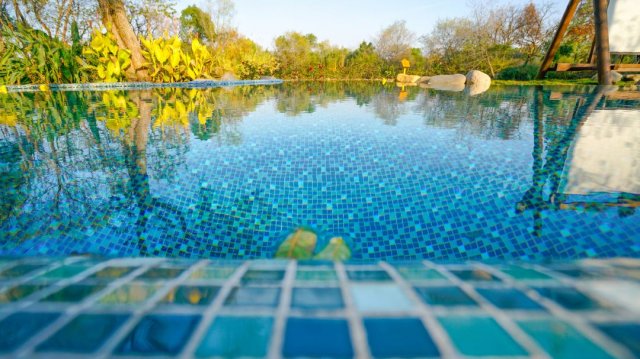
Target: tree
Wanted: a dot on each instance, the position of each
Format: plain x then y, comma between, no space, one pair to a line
532,30
295,53
114,18
151,17
195,22
364,62
394,42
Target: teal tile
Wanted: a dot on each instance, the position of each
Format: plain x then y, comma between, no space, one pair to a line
131,293
520,273
479,275
212,273
19,270
64,272
570,298
448,296
418,274
191,295
161,273
232,337
111,273
254,276
86,333
253,297
19,292
368,275
19,327
560,340
158,334
316,298
480,336
74,293
380,298
327,276
317,338
626,333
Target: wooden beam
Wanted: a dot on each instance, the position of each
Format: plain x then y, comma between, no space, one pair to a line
562,66
602,42
557,39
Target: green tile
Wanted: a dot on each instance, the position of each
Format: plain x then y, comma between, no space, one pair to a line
480,336
519,273
161,273
74,293
19,270
560,340
237,337
64,272
316,276
19,292
418,273
132,293
110,273
213,273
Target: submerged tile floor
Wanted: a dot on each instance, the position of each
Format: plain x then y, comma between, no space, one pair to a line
158,307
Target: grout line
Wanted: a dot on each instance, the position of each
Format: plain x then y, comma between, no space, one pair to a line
356,326
279,326
209,314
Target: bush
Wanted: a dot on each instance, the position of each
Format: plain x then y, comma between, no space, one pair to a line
519,73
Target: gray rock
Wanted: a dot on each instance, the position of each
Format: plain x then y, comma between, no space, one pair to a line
452,80
477,82
444,87
407,79
424,79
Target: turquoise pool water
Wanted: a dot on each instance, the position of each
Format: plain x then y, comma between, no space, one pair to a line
514,173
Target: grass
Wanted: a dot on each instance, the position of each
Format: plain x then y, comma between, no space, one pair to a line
546,82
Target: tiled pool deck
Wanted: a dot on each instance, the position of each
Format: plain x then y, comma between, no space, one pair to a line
81,306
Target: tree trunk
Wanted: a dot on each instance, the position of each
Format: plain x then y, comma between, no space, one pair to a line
114,18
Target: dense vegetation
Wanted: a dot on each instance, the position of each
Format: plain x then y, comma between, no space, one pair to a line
62,41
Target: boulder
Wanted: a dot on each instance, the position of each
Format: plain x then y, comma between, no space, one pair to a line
445,87
424,79
615,77
452,80
477,82
408,79
631,77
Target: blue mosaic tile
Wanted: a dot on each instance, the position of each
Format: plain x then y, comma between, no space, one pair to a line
560,340
86,333
469,335
368,275
19,327
302,338
158,335
445,296
399,338
509,298
237,337
316,298
570,298
380,298
628,334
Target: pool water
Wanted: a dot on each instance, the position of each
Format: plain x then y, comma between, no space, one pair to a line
520,173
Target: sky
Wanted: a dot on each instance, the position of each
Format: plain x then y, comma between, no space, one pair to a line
345,22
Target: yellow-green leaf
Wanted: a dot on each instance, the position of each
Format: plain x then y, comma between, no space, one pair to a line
336,250
298,245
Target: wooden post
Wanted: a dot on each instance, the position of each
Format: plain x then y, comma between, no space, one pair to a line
557,39
602,42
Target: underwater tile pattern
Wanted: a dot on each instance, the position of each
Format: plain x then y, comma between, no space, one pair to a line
437,176
260,309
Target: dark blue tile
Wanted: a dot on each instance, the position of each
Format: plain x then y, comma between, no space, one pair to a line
628,334
509,298
399,337
74,293
86,333
253,297
19,327
237,337
316,298
158,335
305,337
445,296
569,298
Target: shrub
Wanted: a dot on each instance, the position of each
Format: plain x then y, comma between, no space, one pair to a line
520,73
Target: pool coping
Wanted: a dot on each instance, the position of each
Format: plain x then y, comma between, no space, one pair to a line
105,86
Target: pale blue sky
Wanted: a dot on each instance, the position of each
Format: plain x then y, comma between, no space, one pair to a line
345,22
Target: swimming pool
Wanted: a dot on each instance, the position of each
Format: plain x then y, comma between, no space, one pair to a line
515,173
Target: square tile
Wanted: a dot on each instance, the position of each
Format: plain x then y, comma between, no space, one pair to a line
20,292
509,298
316,298
74,293
380,298
327,276
158,334
306,337
570,298
368,275
86,333
420,273
253,297
237,337
399,338
131,293
479,275
445,296
111,273
19,270
521,273
212,273
19,327
628,334
560,340
63,272
274,277
480,336
191,294
161,273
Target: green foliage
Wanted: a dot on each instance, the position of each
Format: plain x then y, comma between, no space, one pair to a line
519,73
195,22
168,62
299,245
31,56
105,59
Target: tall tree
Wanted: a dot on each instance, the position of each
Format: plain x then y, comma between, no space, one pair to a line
196,22
114,18
394,42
